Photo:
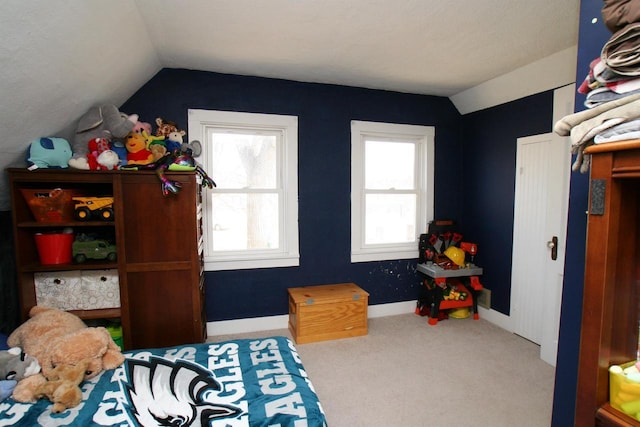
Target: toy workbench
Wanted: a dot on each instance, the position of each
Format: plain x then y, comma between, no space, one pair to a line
446,289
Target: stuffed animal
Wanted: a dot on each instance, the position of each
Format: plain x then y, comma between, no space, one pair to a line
177,160
142,126
62,387
174,139
15,365
137,152
165,127
100,156
118,146
155,144
49,153
194,146
172,135
56,338
158,149
6,388
104,121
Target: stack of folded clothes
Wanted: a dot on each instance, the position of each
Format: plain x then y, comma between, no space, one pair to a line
612,86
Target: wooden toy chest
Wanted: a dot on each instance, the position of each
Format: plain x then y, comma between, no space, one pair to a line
326,312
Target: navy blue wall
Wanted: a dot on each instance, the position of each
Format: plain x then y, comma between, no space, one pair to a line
593,35
488,165
324,115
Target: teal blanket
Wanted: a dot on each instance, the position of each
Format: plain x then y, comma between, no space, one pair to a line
259,382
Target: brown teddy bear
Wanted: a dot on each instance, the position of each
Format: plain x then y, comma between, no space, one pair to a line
55,338
62,386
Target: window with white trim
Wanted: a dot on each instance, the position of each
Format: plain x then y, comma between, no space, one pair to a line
392,174
251,217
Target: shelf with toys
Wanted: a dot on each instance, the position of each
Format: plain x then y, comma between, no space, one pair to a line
141,263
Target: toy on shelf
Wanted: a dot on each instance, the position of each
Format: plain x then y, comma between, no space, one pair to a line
172,135
177,160
93,249
137,152
48,153
104,121
87,208
101,156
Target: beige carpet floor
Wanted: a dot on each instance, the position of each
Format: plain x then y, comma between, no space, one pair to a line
460,372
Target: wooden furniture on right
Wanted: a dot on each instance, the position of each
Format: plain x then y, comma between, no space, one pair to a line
327,312
610,313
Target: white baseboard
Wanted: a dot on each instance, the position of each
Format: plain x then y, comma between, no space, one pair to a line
495,317
267,323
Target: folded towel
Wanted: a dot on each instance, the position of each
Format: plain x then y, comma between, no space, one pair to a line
621,52
564,125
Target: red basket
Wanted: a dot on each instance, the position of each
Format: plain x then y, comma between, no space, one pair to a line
54,248
50,205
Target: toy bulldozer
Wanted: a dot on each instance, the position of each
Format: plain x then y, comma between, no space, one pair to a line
87,208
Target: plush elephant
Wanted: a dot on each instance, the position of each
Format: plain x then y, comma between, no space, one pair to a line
48,153
104,121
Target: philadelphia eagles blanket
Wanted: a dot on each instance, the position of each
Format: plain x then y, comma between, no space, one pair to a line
259,382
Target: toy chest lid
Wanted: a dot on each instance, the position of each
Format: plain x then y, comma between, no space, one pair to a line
326,294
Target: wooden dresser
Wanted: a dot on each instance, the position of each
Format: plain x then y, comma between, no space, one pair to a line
610,313
159,250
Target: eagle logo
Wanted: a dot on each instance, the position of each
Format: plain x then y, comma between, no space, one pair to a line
173,393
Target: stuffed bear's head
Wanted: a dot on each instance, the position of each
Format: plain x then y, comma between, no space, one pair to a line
92,344
135,142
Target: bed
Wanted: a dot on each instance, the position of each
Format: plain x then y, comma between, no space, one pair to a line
250,382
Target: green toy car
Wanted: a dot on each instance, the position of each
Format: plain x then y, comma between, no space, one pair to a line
94,249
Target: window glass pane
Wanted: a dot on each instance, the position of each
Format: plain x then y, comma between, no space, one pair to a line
245,221
243,159
389,165
390,218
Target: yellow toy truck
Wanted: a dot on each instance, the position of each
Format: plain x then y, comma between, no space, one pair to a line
87,208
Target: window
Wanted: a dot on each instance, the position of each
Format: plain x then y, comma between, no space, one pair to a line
251,217
391,189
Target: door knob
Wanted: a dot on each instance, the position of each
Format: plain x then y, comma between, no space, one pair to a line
553,245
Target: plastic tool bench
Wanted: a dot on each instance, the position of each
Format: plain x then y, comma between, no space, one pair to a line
446,289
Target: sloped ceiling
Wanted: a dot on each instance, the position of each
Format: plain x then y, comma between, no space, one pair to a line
58,58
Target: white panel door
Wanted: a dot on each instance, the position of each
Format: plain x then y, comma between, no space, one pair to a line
540,211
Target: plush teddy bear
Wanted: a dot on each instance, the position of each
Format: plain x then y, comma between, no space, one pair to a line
62,387
104,121
55,337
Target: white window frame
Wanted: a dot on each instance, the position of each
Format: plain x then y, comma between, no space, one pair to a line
288,254
424,138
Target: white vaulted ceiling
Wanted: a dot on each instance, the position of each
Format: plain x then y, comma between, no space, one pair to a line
58,58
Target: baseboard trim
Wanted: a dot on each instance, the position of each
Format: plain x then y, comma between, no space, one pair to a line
267,323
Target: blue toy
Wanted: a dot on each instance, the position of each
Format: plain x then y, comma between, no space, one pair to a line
6,388
49,153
